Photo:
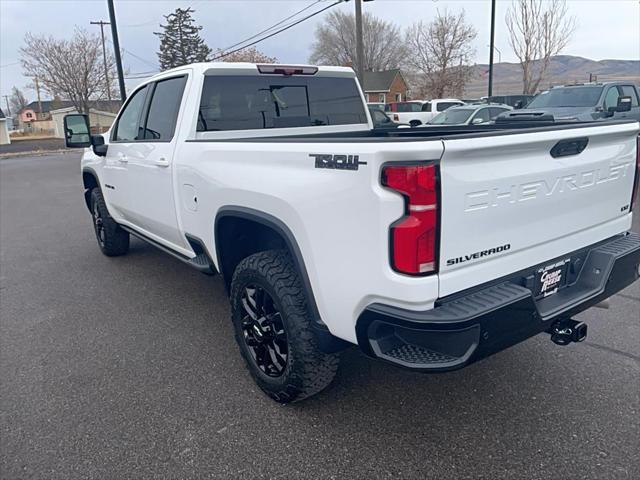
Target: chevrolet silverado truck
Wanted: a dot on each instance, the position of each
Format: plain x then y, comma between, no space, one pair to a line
428,248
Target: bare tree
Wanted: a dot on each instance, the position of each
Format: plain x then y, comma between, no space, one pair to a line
71,69
17,100
251,55
335,42
538,30
441,52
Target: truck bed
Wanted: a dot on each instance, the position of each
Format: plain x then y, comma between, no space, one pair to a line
418,134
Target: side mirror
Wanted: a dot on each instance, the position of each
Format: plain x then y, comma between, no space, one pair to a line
477,121
76,131
99,148
518,105
624,104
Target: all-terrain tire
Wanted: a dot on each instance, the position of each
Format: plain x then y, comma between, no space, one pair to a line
307,370
112,239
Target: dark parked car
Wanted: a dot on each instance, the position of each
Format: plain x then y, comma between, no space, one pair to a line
381,119
586,102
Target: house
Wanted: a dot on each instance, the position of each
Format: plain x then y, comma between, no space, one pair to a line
385,87
37,111
40,111
37,117
99,120
4,130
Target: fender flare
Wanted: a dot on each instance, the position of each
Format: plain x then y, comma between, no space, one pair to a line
87,191
326,341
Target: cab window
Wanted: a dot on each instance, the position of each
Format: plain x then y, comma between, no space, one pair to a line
442,106
163,109
128,125
482,114
268,101
611,98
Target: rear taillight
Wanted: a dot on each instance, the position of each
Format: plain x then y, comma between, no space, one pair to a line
636,179
414,237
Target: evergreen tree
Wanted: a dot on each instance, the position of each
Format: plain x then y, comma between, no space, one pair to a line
180,41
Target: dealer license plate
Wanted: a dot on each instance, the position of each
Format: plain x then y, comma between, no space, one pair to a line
551,278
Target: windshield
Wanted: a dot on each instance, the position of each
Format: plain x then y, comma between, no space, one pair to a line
452,117
567,97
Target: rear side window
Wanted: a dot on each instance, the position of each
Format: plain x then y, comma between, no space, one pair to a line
163,111
248,102
408,107
442,106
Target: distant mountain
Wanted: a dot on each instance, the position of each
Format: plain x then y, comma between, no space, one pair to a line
563,69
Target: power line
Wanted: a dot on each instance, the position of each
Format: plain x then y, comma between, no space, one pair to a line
287,27
272,26
135,56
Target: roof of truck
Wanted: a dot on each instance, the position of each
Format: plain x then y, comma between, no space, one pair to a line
252,68
593,84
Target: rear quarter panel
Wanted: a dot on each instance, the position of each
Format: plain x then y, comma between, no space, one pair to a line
340,218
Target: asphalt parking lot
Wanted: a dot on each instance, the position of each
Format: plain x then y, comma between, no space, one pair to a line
126,368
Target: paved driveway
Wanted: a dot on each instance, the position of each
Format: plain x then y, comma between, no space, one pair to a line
126,368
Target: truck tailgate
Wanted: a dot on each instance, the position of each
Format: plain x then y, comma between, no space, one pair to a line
512,201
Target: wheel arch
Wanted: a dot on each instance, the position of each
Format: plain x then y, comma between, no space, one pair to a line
89,181
241,231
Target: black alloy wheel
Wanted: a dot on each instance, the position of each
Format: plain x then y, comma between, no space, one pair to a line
98,224
263,331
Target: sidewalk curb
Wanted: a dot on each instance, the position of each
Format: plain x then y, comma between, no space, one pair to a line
34,153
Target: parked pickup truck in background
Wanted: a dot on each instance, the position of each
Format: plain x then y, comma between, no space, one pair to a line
429,248
416,113
585,102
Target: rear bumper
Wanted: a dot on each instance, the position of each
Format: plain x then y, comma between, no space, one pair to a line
474,324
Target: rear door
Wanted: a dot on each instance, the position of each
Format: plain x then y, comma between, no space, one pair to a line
511,201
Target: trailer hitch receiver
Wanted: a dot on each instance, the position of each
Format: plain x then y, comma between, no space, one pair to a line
563,332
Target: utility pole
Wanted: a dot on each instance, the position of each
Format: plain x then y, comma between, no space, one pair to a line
104,58
492,46
116,48
359,43
6,99
38,94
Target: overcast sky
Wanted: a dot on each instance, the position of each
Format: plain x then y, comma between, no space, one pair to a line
606,28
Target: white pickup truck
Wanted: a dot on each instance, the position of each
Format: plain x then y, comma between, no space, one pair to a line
417,112
428,248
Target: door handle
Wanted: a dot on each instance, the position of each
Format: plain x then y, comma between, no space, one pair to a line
122,158
161,162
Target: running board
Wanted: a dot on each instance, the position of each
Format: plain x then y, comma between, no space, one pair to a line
200,262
